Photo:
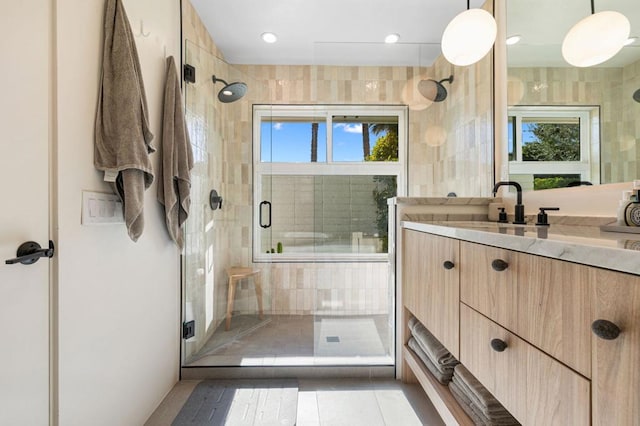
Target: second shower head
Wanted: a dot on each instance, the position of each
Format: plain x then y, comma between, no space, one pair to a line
434,90
230,92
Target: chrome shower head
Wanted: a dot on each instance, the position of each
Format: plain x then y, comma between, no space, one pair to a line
434,90
230,92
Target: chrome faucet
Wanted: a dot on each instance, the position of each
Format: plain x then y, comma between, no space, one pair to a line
519,208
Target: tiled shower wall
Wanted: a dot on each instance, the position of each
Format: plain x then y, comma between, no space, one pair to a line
450,143
450,150
610,88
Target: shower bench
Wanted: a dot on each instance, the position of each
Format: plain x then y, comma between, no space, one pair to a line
236,274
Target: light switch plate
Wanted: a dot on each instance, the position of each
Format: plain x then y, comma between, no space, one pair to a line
99,208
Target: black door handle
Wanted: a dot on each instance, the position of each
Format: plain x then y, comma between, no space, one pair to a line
268,204
30,252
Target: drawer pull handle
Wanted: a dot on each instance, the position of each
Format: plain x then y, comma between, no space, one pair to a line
499,265
448,264
498,345
605,329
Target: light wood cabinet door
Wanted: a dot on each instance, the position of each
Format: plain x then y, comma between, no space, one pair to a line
616,363
491,292
545,301
535,388
430,288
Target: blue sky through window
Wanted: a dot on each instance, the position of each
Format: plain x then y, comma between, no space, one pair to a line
291,142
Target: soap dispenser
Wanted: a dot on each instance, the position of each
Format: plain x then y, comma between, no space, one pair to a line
632,209
502,216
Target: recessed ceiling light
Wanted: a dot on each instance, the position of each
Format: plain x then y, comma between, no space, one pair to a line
269,37
392,38
513,39
630,41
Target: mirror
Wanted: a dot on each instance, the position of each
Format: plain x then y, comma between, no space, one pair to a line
569,124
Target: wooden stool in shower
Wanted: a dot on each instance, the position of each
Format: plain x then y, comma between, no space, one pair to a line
235,274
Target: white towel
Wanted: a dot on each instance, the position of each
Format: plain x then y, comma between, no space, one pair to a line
174,183
122,135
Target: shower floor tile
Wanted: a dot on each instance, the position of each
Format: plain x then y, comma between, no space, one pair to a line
299,340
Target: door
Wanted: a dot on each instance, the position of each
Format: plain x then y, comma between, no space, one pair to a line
25,84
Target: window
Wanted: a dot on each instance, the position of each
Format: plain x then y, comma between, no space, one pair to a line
552,146
322,177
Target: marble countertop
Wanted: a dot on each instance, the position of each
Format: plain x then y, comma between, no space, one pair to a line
587,245
445,201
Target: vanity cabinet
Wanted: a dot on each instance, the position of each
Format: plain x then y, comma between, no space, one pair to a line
545,301
547,364
616,362
534,387
431,290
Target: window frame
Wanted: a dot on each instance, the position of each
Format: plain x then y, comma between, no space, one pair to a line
588,165
343,168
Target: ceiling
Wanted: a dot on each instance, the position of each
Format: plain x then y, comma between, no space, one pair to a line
544,23
329,32
351,32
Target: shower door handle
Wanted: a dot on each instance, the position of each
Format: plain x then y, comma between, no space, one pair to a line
268,204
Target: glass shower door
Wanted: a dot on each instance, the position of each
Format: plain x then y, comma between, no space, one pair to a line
222,286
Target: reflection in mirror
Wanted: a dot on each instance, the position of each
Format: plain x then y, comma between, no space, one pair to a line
556,108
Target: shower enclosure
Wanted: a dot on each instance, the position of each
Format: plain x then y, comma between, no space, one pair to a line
317,311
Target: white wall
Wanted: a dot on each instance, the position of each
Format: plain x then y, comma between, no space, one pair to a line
118,300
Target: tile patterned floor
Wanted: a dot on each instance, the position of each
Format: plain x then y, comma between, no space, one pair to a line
334,402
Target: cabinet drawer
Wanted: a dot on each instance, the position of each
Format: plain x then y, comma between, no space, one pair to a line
488,291
431,289
534,387
545,301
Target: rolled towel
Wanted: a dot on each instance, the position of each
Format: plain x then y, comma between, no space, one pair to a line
412,323
442,377
431,346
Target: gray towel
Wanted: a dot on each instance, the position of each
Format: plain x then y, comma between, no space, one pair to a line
122,135
478,417
440,356
442,377
476,391
174,177
495,408
465,403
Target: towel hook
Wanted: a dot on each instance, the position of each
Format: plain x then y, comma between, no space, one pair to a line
142,30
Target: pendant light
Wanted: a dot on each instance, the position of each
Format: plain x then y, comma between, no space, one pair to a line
596,38
469,36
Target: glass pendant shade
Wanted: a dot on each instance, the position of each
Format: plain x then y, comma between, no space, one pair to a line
595,39
469,37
